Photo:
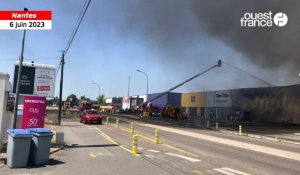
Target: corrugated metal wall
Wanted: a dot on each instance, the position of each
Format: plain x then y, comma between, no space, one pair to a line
170,98
160,101
174,98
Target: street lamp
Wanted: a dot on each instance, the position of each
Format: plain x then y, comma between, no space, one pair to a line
97,86
147,79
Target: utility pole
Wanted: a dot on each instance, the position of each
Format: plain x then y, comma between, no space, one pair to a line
18,79
61,86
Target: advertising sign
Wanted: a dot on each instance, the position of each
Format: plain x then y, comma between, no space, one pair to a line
35,80
44,82
34,109
20,110
26,79
219,99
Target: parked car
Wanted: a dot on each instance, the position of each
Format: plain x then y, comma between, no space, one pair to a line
90,116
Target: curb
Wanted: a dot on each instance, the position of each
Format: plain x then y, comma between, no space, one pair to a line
262,137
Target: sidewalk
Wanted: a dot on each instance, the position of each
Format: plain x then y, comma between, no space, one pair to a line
85,153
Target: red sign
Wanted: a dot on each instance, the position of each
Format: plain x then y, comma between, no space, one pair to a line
25,15
43,88
33,112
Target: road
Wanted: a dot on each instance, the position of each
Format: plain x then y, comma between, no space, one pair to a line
212,155
105,149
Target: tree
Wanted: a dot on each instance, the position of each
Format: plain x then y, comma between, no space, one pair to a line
53,101
101,100
72,99
85,98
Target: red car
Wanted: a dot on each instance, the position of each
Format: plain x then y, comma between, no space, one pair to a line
90,116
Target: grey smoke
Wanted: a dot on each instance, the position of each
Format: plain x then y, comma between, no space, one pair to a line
172,27
268,47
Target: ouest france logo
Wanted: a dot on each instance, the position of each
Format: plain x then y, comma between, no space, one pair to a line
264,19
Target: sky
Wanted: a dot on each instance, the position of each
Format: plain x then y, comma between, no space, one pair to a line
169,40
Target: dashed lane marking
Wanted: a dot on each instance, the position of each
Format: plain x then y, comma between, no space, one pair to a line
93,155
154,151
235,171
179,150
197,172
169,146
184,157
229,171
163,144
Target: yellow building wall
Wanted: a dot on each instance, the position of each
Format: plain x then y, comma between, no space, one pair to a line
196,99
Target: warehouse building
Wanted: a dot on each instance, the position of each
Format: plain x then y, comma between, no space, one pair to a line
169,98
269,104
209,105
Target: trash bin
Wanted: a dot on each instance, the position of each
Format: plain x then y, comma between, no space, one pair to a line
18,147
40,145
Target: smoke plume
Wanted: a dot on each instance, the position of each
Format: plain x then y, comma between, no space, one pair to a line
173,27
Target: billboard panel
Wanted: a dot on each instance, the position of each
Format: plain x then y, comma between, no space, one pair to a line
44,82
35,80
34,109
26,79
219,99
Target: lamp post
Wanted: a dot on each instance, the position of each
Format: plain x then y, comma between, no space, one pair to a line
147,80
98,87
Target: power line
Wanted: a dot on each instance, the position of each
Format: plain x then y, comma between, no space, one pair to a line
58,68
79,20
62,62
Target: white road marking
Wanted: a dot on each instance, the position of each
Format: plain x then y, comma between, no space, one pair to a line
184,157
229,171
150,156
140,148
254,136
93,155
220,170
234,171
155,151
238,144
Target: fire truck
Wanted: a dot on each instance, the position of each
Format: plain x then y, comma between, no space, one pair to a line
170,111
84,105
67,105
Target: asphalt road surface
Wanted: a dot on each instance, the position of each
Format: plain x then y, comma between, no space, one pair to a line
105,149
